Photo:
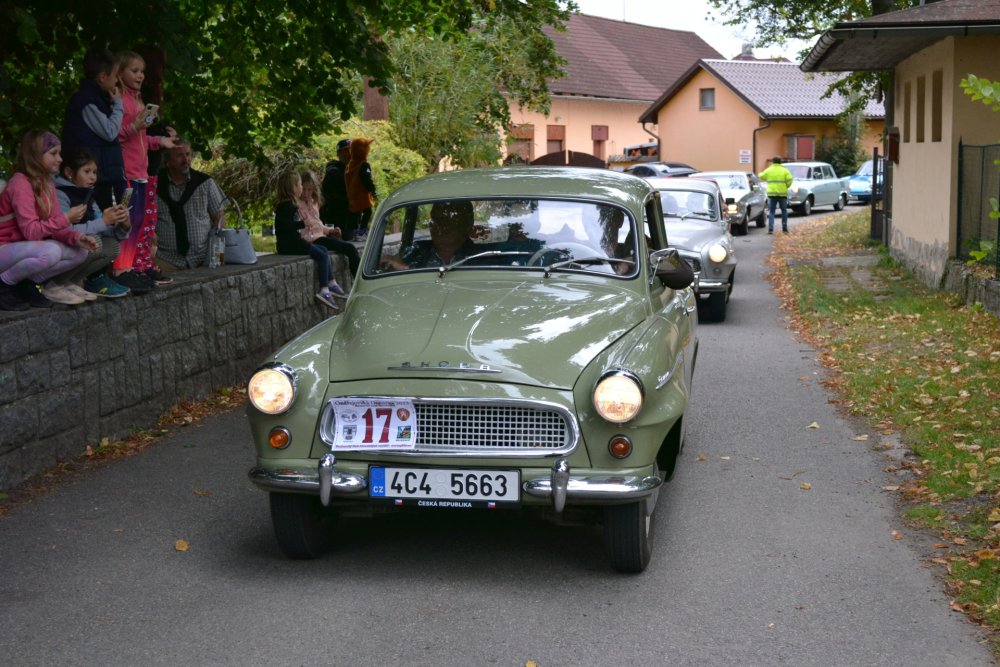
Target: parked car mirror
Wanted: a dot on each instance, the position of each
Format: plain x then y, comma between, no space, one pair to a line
673,271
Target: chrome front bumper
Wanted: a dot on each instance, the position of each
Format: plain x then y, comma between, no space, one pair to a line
560,485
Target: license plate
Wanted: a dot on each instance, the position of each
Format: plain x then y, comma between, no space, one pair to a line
436,487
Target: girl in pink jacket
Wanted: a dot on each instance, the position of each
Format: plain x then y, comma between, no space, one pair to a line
136,250
37,243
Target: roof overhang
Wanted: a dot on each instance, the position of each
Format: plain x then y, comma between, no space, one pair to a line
856,47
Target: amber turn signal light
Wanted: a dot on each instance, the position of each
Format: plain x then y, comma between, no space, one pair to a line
279,437
620,446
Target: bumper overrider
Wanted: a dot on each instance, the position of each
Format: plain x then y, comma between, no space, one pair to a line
559,486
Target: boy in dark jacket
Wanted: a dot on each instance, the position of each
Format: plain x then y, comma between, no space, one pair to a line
93,120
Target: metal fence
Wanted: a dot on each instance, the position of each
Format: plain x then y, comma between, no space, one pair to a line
978,182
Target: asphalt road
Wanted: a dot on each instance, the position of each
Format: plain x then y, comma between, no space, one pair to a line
748,568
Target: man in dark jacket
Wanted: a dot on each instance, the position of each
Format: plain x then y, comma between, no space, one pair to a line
335,211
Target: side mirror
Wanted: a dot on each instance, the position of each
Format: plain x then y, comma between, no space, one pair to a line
671,269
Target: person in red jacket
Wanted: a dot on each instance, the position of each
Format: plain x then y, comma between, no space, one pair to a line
361,193
37,244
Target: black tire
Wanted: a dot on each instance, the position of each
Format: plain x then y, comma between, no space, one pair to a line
744,226
628,535
302,526
841,203
807,206
761,219
716,306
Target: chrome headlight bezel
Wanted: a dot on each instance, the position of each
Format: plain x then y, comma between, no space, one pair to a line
285,382
630,393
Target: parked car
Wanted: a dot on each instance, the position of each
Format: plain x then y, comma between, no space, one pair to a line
860,183
652,169
815,184
515,338
746,198
696,223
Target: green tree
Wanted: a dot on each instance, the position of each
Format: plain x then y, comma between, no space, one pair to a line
450,97
253,74
844,151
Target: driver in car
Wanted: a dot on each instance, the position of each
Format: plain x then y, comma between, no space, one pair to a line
451,226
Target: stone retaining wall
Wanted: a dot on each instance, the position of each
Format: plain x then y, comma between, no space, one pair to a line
72,375
972,289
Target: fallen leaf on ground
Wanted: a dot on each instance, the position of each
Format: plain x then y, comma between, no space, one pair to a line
805,486
941,545
960,541
724,458
813,425
860,438
956,606
896,535
204,493
891,487
994,515
701,457
181,545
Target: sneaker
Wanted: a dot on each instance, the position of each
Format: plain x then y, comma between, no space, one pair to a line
770,231
157,276
102,285
326,298
80,292
57,293
9,300
136,283
29,292
337,290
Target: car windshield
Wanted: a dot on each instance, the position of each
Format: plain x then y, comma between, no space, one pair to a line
730,181
688,204
510,234
798,170
866,168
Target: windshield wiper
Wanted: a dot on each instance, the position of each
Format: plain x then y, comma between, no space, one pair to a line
596,259
707,215
486,253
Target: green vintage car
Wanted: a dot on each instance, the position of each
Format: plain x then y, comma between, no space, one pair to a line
516,339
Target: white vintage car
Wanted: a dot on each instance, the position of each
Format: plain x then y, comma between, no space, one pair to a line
816,184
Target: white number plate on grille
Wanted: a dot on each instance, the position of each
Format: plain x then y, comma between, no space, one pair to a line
368,423
435,487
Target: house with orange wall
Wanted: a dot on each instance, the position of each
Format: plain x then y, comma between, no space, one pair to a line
614,70
737,114
940,174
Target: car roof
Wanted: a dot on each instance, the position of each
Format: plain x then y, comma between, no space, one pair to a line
690,184
808,163
527,182
734,172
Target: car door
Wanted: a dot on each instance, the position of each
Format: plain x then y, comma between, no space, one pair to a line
675,310
828,189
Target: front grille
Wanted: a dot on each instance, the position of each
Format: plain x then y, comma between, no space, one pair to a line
693,262
484,428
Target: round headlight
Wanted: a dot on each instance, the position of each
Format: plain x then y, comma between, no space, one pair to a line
272,390
618,397
718,253
794,189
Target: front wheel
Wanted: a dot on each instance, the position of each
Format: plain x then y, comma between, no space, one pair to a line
807,206
628,534
717,302
841,203
761,219
302,526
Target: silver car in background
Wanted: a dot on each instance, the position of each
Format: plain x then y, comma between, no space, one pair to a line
815,184
694,213
746,198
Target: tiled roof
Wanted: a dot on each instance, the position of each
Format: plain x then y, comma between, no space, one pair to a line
942,12
782,90
615,59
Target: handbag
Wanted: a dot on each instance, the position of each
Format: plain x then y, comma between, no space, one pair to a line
239,246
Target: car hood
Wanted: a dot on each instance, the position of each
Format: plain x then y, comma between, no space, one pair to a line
692,234
734,193
540,331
